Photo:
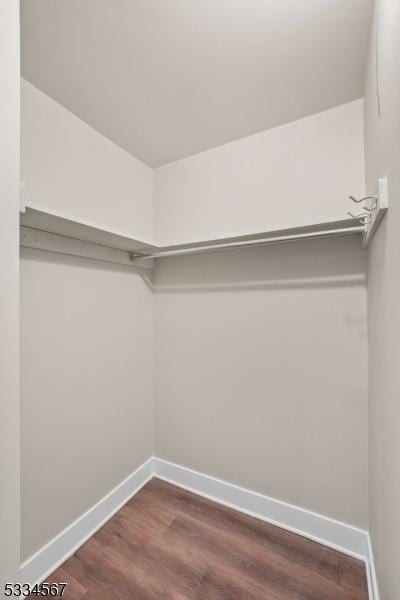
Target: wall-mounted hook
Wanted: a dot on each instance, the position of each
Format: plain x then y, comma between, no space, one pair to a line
362,199
364,218
374,208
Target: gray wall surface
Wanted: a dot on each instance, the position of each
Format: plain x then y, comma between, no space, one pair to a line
382,152
261,371
87,386
9,291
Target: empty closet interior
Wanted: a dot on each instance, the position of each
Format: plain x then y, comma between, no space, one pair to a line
209,277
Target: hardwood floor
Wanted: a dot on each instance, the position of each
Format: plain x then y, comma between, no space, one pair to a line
169,544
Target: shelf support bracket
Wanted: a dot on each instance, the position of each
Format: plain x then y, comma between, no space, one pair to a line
376,206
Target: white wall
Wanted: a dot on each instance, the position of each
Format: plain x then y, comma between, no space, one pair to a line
86,327
261,354
70,168
296,174
299,173
261,369
87,386
9,337
382,151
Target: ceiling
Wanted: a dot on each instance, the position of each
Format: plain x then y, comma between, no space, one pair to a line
165,79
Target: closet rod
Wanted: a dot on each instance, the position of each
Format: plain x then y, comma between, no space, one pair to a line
257,242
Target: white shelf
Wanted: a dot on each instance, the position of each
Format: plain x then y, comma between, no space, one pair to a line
44,230
53,232
49,222
315,230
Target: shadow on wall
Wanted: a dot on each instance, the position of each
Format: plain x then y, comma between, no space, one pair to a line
86,263
338,262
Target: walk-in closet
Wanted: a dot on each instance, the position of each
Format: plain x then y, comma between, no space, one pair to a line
200,296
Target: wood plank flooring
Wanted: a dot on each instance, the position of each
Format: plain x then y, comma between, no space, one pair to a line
169,544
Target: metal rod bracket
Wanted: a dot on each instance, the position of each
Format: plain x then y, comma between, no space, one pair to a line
376,206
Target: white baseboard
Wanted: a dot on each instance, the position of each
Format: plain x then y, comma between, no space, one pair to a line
53,554
335,534
327,531
324,530
371,573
